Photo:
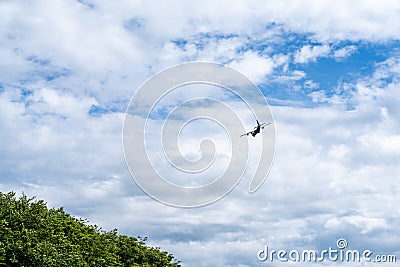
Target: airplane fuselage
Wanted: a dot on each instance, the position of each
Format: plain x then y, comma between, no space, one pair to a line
256,131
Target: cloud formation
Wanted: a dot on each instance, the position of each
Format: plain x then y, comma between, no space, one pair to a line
330,71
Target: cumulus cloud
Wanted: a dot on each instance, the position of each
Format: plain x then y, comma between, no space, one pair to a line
255,66
311,53
344,52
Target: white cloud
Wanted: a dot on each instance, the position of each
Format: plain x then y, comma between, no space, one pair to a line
338,20
48,100
344,52
328,20
365,224
255,66
311,53
338,152
309,84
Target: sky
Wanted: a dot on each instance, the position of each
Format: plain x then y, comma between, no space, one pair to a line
330,71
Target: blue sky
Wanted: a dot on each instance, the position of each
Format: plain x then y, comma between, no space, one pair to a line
330,71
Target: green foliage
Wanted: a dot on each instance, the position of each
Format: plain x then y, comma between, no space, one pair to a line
33,235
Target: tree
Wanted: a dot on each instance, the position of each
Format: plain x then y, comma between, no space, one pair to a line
33,235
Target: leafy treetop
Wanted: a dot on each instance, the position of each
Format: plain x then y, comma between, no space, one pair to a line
33,235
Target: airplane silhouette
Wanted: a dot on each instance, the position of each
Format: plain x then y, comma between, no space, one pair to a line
257,129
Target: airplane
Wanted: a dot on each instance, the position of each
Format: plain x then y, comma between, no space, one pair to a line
257,129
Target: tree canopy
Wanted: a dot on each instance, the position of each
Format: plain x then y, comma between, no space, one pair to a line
33,235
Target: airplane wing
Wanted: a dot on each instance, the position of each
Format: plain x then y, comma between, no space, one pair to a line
264,125
246,133
261,124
